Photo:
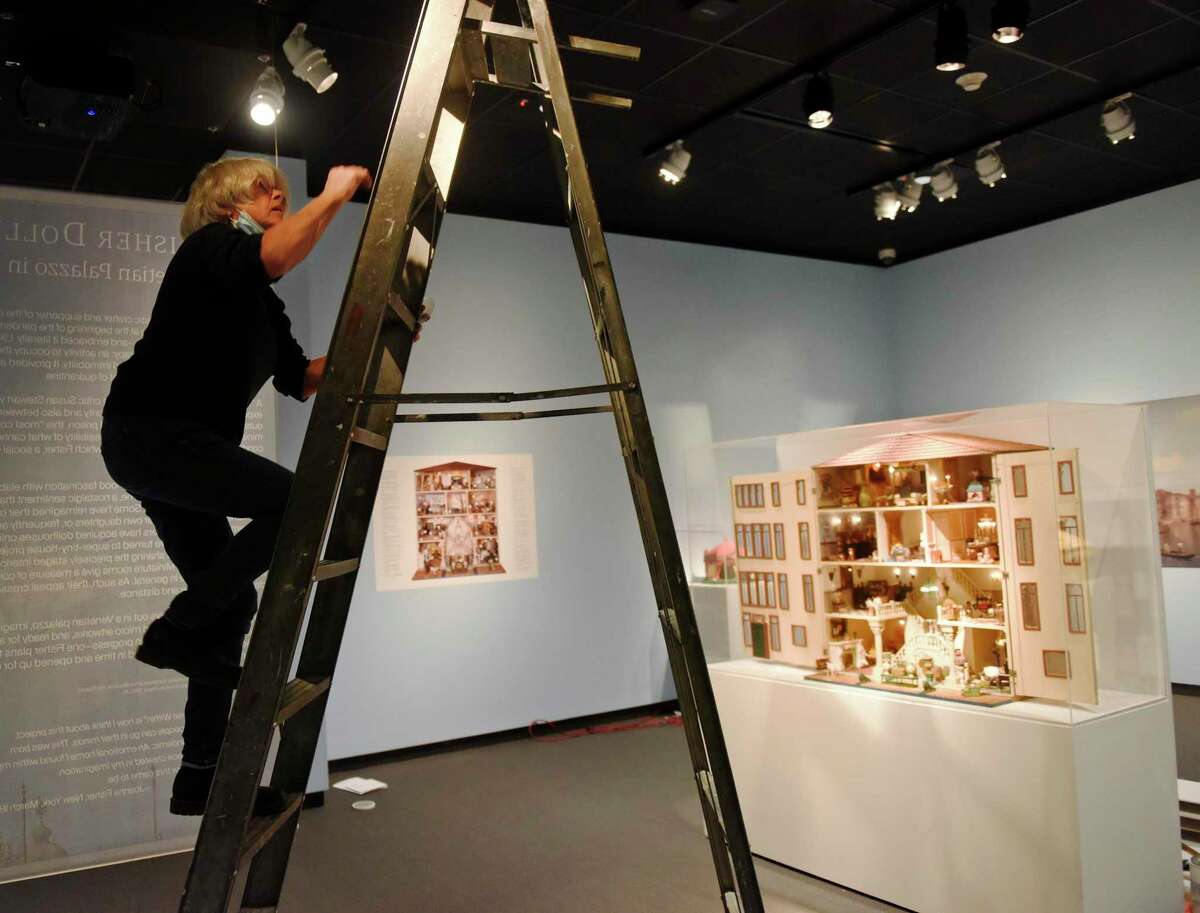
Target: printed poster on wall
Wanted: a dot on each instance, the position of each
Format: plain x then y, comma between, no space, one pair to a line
1175,447
89,738
454,520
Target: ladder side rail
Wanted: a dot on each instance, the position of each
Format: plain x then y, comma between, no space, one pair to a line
218,852
634,428
357,490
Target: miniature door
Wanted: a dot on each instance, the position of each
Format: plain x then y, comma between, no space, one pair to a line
1042,538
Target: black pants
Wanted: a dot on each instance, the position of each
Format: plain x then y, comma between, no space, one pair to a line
189,480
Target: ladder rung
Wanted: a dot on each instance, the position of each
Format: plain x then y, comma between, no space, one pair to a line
624,102
497,416
328,569
368,438
260,830
498,397
298,694
572,43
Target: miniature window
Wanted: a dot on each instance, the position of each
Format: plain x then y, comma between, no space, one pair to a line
1066,477
739,533
810,599
775,645
769,580
765,535
1031,615
747,632
799,636
805,544
776,499
1068,536
1020,486
1076,615
779,541
784,598
1055,665
756,495
801,495
1023,527
760,590
739,496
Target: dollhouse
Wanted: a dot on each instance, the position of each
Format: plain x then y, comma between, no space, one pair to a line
938,563
456,521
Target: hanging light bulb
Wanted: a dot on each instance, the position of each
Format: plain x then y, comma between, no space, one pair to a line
887,202
266,99
910,199
674,167
308,62
818,101
988,165
1009,18
950,46
944,184
1117,119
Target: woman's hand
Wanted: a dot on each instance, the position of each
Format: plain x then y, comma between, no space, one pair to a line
312,376
344,180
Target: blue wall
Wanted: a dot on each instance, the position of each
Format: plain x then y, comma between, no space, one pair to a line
730,343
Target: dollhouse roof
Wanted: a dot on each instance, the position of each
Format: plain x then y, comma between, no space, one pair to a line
926,445
447,467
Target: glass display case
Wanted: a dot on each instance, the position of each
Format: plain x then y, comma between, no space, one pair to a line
923,600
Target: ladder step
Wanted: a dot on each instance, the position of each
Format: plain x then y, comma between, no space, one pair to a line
369,438
260,830
298,694
627,387
497,416
329,569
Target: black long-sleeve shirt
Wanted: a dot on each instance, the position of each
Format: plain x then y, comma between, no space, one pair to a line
217,332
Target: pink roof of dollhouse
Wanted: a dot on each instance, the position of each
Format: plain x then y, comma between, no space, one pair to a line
446,467
926,445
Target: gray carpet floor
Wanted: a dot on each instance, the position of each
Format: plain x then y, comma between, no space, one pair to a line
599,824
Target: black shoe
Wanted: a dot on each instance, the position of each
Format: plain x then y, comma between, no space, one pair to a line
189,794
189,653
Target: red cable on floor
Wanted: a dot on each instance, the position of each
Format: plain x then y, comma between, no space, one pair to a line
646,722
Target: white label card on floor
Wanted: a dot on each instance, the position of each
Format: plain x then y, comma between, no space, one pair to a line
455,520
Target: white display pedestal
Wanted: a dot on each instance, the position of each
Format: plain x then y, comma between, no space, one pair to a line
718,620
943,807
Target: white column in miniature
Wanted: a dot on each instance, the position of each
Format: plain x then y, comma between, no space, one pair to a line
876,625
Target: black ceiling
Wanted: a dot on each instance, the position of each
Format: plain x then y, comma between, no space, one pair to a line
759,179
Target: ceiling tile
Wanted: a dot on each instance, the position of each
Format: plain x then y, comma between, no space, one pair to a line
1180,90
885,115
675,16
950,132
714,78
1145,56
1055,91
899,55
806,29
1081,29
1005,71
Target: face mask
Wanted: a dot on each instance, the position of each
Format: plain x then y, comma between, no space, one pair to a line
247,224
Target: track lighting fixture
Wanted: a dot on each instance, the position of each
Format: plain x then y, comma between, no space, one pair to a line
266,99
1117,119
887,202
943,183
308,62
950,47
988,165
673,168
818,101
910,194
1009,18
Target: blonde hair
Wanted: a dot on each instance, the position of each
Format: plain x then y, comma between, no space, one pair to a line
221,186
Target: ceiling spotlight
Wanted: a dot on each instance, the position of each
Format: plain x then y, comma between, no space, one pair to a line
818,101
308,62
1117,119
943,183
887,202
1009,18
950,47
674,167
988,165
266,99
910,194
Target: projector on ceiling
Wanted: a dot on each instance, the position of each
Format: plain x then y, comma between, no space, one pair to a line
85,99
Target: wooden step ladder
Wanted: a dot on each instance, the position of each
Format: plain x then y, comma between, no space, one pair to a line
324,528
